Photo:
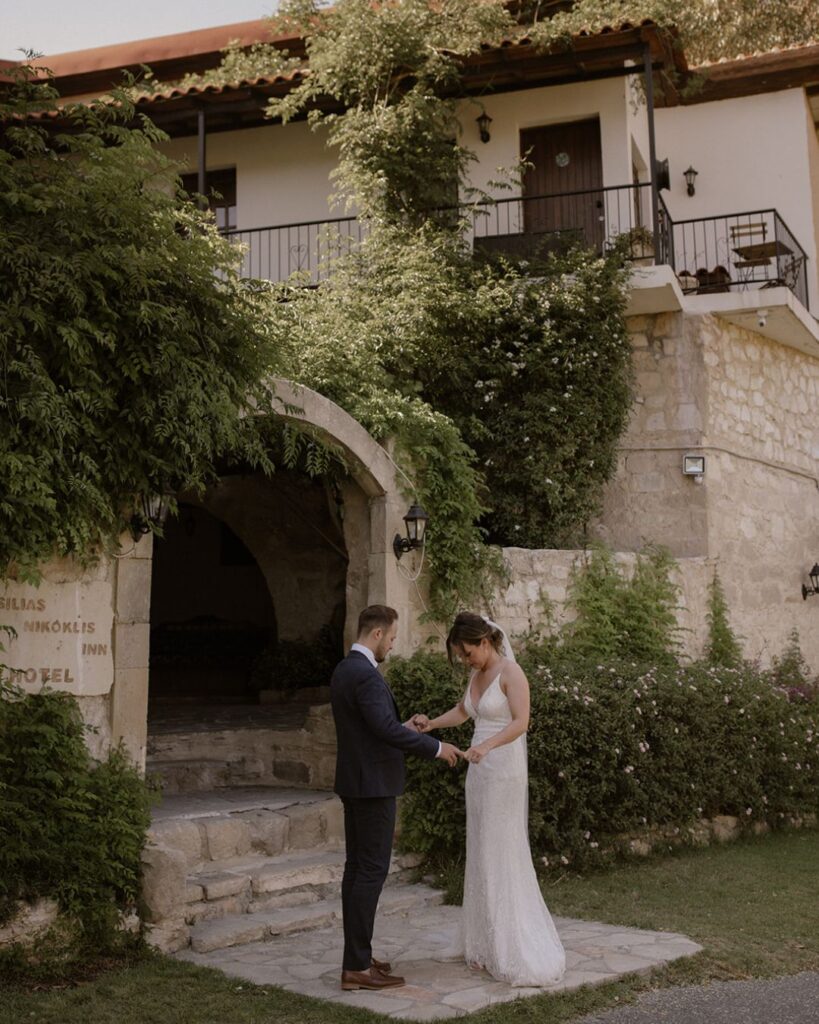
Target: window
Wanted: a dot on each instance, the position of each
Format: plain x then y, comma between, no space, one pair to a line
220,188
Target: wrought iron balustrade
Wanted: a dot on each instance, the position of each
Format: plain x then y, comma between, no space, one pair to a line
308,248
739,252
709,254
526,226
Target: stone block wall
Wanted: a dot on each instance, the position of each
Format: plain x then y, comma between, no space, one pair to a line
706,386
537,598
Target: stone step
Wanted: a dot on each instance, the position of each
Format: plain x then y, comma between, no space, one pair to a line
253,885
241,929
243,746
214,830
193,775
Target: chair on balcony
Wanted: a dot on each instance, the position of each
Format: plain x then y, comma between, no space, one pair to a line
749,242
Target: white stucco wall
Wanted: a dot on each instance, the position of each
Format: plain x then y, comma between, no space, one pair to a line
282,171
752,153
512,112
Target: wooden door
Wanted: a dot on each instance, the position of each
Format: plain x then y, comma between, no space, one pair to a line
565,158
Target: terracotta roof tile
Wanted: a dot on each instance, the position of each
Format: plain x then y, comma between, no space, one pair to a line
757,55
211,89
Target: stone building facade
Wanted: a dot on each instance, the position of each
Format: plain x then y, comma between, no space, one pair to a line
708,386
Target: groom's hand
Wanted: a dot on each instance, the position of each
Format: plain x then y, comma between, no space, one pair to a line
449,754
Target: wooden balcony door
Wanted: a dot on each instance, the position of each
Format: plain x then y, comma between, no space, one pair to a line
565,158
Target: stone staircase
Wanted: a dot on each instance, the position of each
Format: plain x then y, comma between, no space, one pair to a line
208,747
235,866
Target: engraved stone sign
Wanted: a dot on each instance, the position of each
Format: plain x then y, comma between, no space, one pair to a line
64,636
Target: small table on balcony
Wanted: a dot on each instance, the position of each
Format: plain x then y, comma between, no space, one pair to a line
759,254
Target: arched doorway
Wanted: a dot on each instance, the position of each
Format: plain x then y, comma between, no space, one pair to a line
319,569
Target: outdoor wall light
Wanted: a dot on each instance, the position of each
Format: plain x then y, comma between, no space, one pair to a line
153,511
694,465
690,176
483,121
814,583
416,522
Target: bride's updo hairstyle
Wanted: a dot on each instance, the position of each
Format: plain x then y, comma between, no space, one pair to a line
469,628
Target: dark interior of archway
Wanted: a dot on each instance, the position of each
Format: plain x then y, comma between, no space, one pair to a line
211,612
248,595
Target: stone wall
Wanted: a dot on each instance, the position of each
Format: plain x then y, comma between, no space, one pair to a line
706,386
537,596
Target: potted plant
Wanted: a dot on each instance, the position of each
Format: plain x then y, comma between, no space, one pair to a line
640,245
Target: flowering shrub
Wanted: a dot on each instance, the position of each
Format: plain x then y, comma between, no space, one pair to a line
616,750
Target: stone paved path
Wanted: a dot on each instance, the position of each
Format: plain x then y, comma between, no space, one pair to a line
438,988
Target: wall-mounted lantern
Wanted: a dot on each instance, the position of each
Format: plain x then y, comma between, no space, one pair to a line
153,512
416,524
483,121
813,588
694,466
690,178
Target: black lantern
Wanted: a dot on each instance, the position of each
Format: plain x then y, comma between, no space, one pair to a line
484,120
153,511
416,523
814,583
690,176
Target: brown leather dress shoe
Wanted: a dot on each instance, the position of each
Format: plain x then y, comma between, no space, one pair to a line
372,979
381,965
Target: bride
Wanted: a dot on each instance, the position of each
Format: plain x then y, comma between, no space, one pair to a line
507,929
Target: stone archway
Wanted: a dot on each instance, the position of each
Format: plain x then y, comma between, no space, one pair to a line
373,507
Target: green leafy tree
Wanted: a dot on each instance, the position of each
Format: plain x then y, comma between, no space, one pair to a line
130,347
391,69
708,29
622,618
723,647
790,671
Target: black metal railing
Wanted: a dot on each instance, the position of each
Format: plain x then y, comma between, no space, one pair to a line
739,251
308,248
593,218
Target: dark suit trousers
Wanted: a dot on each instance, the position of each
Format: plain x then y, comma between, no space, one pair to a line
369,826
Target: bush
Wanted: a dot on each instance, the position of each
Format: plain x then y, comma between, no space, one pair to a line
433,814
71,829
615,750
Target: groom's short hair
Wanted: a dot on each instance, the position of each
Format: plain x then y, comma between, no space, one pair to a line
375,616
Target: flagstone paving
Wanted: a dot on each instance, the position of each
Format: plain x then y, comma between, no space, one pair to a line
419,945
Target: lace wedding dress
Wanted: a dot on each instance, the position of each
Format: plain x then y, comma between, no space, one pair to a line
507,928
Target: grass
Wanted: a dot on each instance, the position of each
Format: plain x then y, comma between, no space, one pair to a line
751,904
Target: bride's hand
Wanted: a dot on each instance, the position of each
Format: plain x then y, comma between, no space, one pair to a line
421,723
476,754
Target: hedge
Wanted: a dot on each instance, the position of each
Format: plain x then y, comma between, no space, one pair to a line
619,749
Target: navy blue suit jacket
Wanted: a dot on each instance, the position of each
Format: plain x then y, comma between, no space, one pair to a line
371,739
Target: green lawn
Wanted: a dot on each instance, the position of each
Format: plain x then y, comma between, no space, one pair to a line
751,904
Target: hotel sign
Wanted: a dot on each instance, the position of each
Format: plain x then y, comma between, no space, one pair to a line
64,636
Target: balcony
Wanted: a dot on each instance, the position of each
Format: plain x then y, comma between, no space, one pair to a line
739,252
743,251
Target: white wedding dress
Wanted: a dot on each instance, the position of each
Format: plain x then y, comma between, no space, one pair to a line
506,927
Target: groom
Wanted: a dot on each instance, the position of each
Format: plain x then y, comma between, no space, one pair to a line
369,776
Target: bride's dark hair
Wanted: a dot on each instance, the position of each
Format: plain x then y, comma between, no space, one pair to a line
470,628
